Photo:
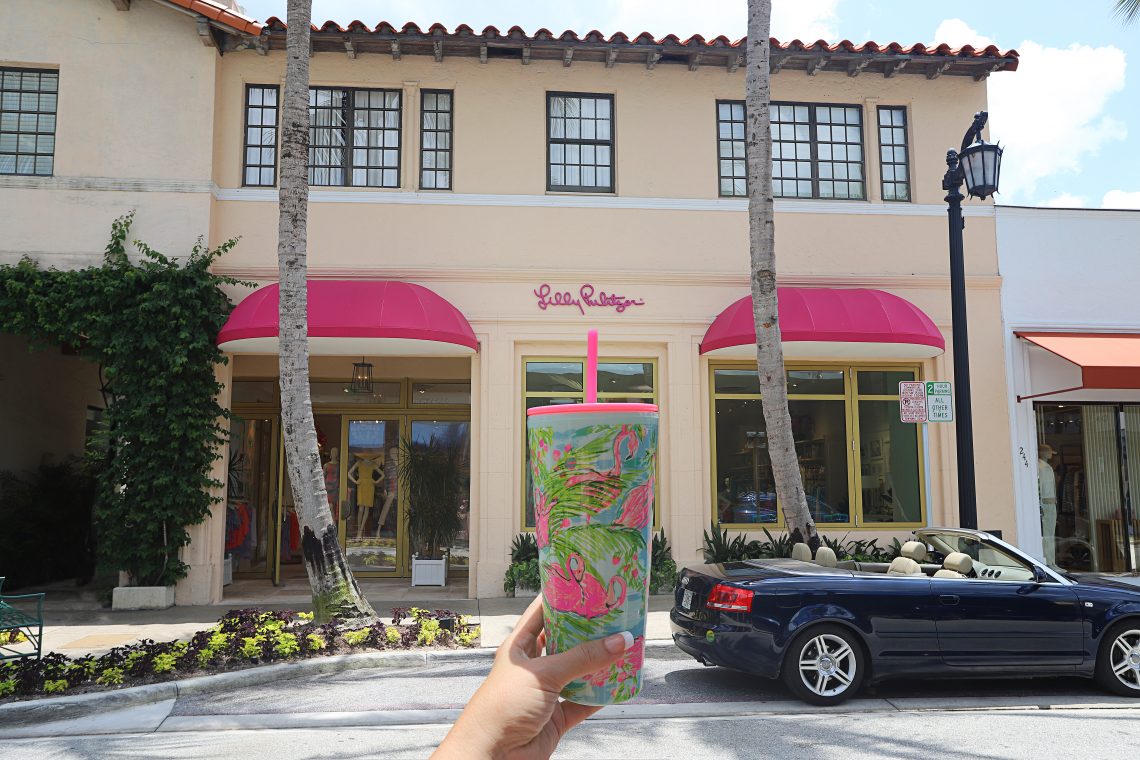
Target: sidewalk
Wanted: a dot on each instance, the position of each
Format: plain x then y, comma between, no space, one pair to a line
75,623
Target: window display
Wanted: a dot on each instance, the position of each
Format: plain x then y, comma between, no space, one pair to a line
877,481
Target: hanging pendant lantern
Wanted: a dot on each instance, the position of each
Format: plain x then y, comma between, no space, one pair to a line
361,377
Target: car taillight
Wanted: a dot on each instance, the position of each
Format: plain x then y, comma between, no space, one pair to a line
730,599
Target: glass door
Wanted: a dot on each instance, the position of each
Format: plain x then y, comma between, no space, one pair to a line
371,528
252,495
445,433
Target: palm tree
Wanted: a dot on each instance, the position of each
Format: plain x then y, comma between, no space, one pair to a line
1129,10
335,592
761,229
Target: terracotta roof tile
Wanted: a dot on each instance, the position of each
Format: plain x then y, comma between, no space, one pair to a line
274,26
221,14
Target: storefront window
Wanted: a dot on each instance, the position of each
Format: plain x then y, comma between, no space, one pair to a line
441,394
1080,465
251,494
556,381
876,482
339,393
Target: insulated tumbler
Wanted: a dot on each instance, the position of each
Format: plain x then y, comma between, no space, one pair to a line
593,468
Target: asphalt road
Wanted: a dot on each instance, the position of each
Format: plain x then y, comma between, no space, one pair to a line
685,711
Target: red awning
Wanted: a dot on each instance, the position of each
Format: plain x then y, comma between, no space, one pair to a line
349,317
1107,361
824,323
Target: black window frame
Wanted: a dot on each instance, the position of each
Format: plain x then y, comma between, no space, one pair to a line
895,164
348,125
610,143
36,155
246,144
721,176
450,132
814,143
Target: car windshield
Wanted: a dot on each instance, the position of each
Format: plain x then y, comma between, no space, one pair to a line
984,554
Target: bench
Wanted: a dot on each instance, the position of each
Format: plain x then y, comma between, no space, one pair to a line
18,622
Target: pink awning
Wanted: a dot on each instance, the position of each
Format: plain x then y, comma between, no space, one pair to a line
349,317
822,323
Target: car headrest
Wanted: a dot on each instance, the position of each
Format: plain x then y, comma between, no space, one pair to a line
958,562
801,552
915,550
825,556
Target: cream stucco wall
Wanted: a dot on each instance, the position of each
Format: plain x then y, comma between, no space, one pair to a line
134,129
664,236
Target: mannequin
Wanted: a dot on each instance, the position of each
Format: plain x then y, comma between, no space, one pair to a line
332,481
392,480
1047,498
366,474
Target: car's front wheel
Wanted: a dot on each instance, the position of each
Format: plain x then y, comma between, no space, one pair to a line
824,665
1118,663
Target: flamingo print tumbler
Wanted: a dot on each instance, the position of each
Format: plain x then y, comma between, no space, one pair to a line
593,468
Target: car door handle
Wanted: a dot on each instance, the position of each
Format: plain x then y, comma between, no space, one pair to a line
949,599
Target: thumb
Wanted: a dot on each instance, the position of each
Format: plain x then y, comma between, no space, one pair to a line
588,657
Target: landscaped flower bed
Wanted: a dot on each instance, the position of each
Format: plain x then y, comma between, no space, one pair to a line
242,638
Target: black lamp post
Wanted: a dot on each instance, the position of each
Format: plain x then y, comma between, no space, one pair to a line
978,164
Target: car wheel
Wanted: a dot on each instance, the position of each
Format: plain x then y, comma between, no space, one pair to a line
1118,662
825,665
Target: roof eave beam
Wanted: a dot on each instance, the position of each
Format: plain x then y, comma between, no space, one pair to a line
611,57
567,56
396,54
349,49
777,63
856,67
983,74
122,5
437,50
651,59
816,66
526,55
938,70
483,53
895,68
694,61
208,34
732,64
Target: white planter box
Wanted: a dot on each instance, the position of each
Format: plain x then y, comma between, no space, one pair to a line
429,572
142,597
522,592
228,570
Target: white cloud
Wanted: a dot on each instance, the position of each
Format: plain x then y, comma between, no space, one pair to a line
806,20
1066,200
1050,113
1121,199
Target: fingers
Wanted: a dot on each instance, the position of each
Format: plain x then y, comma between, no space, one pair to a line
526,629
588,657
574,713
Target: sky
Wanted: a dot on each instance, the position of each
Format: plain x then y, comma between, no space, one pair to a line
1069,117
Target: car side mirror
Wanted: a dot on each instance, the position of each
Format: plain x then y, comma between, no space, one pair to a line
1039,575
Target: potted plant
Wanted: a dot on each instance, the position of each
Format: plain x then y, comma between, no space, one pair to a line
434,475
521,579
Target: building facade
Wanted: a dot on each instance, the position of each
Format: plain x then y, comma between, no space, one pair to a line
480,199
1073,343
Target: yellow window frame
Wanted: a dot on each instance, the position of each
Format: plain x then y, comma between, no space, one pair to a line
851,398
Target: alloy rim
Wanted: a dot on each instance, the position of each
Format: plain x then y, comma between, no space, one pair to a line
827,665
1124,659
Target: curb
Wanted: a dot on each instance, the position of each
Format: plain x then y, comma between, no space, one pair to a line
80,705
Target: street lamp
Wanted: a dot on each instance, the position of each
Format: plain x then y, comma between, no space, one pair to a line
978,164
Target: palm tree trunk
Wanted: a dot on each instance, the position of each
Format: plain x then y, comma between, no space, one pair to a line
762,238
335,592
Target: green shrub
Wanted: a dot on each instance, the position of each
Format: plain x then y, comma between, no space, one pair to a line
110,677
524,548
285,645
663,570
315,642
392,634
429,632
55,686
357,637
251,647
164,663
8,687
522,575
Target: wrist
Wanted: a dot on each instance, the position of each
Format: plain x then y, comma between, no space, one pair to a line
468,740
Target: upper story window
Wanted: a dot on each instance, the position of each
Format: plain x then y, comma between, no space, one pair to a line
435,139
354,137
732,168
580,142
817,151
893,152
28,100
260,157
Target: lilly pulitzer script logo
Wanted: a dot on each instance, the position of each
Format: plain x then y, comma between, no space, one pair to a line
587,297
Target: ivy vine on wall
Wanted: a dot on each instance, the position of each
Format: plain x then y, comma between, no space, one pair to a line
151,325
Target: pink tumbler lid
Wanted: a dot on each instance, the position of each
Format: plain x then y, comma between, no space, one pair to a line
592,409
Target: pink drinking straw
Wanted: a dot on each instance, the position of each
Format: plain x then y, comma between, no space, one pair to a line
592,367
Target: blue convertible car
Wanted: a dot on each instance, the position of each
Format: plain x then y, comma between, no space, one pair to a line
957,603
